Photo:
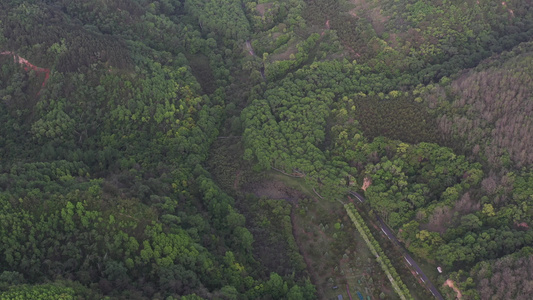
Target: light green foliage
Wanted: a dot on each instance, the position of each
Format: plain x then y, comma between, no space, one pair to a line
224,17
488,210
414,178
373,245
38,292
276,69
107,126
106,185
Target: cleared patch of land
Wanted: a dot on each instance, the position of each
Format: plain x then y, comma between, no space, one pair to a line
285,55
333,250
295,230
372,11
262,8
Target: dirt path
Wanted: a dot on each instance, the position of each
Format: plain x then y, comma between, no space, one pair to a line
273,189
367,183
351,49
29,66
327,27
348,290
236,182
249,47
252,53
449,283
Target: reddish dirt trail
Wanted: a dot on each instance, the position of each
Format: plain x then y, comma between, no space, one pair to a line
236,181
449,283
326,26
367,182
348,290
29,66
351,49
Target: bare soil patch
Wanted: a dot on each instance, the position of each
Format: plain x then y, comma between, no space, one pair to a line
393,40
332,250
274,189
449,283
362,8
29,66
378,20
366,183
358,5
275,35
284,55
202,71
335,256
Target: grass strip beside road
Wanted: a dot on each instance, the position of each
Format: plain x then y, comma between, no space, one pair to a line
369,239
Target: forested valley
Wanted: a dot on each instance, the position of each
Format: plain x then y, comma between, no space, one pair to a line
206,149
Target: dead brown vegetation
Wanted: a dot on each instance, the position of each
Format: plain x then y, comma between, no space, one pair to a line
440,219
493,110
285,55
467,205
262,8
506,278
372,12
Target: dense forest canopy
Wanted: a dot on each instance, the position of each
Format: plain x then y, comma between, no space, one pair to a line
112,181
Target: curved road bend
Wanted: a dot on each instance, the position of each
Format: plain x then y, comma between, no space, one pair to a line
406,255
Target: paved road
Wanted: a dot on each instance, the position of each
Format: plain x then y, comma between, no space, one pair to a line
386,230
359,197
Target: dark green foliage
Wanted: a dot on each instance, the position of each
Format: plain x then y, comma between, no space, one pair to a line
278,69
443,201
109,111
417,178
101,178
224,17
39,292
398,118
